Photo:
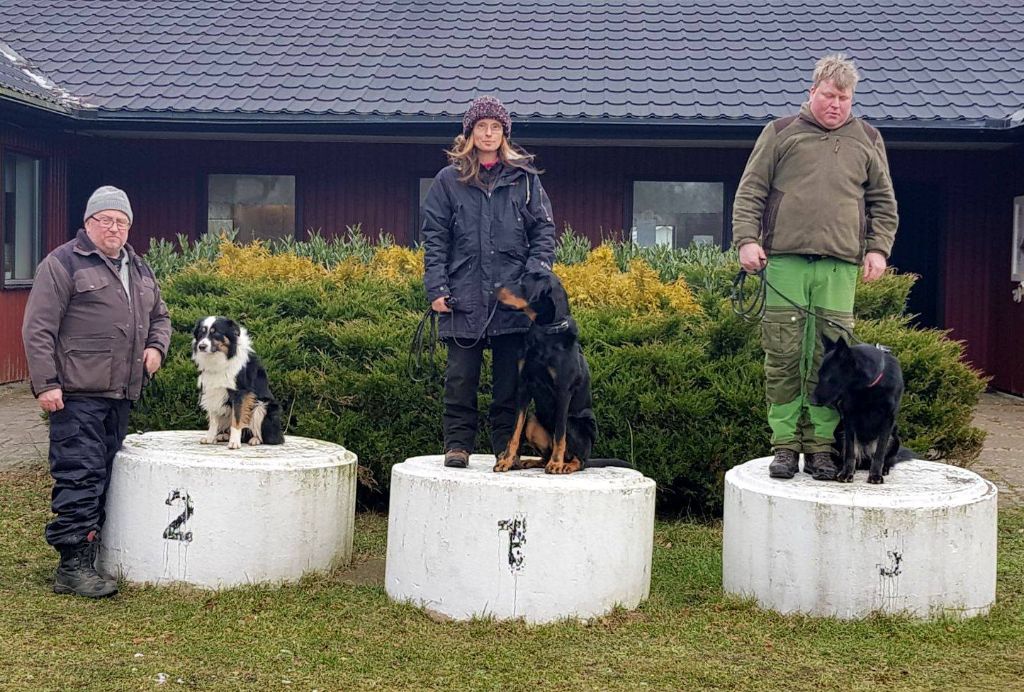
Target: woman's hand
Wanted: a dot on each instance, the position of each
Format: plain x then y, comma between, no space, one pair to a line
439,304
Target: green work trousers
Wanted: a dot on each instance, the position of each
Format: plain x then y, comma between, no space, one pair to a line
792,344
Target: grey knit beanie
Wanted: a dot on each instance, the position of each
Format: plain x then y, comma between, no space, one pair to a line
108,197
486,107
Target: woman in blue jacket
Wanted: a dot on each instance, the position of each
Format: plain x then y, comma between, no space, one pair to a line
486,221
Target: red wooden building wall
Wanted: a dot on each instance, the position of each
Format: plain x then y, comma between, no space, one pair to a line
54,212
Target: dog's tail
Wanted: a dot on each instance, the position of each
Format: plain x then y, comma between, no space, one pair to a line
904,454
606,463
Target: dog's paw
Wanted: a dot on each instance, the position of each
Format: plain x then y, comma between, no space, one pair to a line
845,476
207,440
234,445
562,467
875,480
223,437
506,464
255,441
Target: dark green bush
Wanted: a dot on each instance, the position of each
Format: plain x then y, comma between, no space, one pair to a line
682,397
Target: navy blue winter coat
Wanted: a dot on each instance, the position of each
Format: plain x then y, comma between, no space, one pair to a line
477,239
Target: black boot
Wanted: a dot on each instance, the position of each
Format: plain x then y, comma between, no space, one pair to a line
784,465
821,466
77,573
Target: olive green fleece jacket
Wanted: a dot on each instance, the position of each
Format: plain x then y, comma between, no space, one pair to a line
808,190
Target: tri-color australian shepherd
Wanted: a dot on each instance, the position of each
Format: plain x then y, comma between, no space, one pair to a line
233,387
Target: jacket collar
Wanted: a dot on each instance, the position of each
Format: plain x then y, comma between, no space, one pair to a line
85,247
808,117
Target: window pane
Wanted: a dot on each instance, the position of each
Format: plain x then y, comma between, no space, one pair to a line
23,236
677,214
259,206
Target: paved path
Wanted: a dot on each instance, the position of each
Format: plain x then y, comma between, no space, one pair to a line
23,438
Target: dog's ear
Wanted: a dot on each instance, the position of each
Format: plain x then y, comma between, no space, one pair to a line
538,286
234,329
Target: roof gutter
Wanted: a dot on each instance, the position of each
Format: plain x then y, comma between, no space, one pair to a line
91,121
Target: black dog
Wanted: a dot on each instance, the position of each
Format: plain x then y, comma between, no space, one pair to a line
553,374
233,385
866,384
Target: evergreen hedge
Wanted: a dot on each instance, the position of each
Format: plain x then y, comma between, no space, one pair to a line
677,376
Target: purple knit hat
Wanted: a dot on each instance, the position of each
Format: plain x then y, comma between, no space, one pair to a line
486,107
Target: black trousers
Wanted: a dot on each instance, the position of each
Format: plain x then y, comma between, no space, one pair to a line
84,437
461,380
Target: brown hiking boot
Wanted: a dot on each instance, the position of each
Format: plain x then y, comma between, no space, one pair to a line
784,465
456,458
820,466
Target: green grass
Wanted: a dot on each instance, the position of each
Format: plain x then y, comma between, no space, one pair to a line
338,632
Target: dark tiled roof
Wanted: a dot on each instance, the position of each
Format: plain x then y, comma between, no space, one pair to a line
14,78
959,60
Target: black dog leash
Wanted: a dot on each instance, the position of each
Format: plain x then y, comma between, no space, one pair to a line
751,309
421,365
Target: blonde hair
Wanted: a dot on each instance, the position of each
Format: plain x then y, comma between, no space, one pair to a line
463,156
838,69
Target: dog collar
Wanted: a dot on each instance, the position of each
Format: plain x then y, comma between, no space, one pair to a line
557,327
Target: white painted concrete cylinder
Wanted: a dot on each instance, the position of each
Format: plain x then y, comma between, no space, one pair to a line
923,543
206,515
523,544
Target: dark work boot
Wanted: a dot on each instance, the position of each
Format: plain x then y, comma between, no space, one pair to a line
821,466
784,465
456,458
77,573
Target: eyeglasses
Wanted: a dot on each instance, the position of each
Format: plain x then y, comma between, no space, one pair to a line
106,222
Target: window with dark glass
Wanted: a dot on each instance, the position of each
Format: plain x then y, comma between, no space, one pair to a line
257,206
22,217
677,214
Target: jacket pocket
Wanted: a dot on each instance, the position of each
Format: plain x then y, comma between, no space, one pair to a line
865,227
770,216
147,294
87,364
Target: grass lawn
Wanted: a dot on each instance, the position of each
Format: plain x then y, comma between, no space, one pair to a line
340,631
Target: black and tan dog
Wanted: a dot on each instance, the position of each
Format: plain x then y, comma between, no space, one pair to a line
554,375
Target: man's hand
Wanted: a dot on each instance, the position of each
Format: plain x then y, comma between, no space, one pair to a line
439,305
51,400
752,258
151,360
874,265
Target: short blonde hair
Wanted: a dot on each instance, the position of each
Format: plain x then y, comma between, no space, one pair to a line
838,69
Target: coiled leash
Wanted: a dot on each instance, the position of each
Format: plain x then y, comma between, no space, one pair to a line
753,308
421,365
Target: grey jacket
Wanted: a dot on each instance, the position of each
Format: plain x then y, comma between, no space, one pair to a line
80,332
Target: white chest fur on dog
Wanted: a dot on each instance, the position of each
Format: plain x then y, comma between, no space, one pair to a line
218,373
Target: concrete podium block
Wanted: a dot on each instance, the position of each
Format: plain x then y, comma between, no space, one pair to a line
923,543
180,511
523,544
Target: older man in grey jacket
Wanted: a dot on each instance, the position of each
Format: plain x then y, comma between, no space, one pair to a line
95,328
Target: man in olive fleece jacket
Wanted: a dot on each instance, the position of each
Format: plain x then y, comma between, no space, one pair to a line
815,203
